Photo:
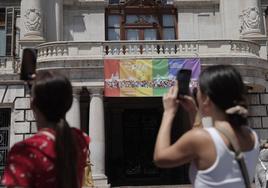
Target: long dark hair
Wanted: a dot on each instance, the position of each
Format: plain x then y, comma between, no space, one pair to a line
52,96
224,86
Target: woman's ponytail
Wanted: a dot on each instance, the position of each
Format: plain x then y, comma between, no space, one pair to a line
66,160
237,115
52,96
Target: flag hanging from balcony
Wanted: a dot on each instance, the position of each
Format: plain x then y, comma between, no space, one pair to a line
145,77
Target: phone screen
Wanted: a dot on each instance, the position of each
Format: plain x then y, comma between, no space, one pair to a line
183,78
28,64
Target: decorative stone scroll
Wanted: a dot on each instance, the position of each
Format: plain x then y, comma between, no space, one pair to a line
250,21
33,20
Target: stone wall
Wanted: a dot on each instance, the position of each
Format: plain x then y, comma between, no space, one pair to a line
15,97
258,109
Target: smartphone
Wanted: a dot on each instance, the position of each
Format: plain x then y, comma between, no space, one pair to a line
183,79
28,64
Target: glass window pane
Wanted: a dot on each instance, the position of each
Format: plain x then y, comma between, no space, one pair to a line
168,20
10,23
132,34
8,45
114,21
150,34
3,42
136,19
132,19
113,34
113,1
2,17
168,34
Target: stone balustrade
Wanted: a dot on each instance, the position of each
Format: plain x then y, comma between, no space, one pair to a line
8,65
98,50
146,49
69,51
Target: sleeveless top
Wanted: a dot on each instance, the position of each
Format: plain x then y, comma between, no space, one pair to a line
225,172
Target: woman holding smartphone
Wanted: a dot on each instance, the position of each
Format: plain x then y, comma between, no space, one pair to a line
221,95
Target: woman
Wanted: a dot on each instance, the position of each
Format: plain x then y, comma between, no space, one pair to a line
261,174
56,155
221,96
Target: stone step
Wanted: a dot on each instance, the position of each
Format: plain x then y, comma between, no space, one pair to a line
158,186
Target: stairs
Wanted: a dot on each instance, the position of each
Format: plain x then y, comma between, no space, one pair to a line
157,186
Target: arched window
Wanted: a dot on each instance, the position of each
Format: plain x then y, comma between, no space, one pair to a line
141,20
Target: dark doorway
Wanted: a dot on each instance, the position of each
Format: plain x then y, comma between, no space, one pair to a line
131,129
5,115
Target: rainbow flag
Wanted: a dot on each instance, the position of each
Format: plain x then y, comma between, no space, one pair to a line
145,77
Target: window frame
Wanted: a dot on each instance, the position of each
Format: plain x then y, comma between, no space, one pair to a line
11,13
157,11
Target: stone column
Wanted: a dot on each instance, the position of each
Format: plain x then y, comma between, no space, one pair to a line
97,134
32,21
73,115
250,18
59,19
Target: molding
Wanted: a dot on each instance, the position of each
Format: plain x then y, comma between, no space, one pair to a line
91,3
96,92
195,3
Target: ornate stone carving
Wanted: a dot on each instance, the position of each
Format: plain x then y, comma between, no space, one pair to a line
33,20
250,21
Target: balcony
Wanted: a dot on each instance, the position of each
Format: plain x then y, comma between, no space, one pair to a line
95,50
82,61
9,65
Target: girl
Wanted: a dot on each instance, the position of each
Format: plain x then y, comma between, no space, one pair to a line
221,95
56,155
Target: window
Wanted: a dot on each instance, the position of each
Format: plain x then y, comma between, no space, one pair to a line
2,32
8,31
168,27
141,20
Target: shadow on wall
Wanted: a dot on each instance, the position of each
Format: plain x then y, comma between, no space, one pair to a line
77,28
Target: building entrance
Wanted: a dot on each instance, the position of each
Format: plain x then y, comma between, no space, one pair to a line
131,129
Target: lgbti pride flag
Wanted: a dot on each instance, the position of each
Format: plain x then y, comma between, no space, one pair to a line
145,77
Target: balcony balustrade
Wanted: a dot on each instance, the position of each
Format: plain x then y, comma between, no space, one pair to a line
146,49
9,65
98,50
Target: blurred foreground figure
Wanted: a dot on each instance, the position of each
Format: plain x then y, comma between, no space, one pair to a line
261,175
55,156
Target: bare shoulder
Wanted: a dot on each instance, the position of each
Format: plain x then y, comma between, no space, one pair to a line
199,134
198,137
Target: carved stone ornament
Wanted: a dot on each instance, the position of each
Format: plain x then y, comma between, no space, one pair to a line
250,21
33,20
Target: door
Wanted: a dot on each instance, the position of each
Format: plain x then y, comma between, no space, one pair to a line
131,129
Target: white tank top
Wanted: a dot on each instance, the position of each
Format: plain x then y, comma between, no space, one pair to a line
225,172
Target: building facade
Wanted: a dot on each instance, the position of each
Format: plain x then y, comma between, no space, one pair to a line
76,36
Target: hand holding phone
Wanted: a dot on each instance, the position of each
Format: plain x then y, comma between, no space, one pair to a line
183,80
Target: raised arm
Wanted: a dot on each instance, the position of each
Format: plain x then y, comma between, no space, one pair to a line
184,149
